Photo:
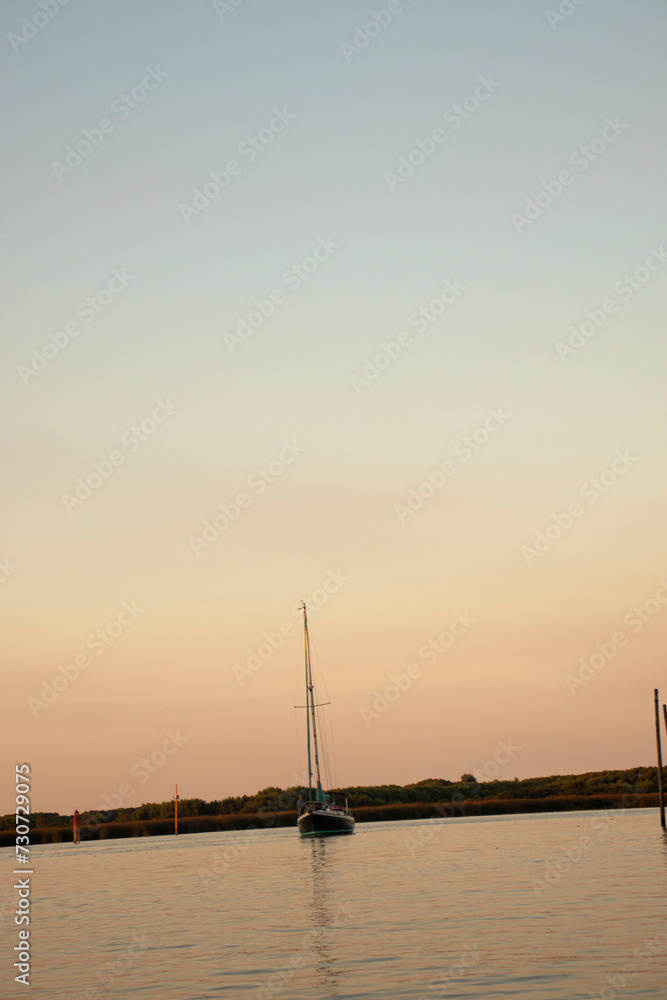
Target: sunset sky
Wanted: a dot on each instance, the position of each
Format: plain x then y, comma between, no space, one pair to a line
497,168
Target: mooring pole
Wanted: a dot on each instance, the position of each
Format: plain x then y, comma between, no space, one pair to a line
77,835
661,790
176,810
664,709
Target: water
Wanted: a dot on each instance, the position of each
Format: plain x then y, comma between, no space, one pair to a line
429,909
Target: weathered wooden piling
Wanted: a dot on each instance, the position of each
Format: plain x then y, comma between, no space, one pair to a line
661,790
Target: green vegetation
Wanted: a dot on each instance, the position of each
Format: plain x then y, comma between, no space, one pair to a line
276,806
637,779
364,814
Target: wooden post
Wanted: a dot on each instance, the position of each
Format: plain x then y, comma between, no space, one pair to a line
77,835
176,810
664,709
661,790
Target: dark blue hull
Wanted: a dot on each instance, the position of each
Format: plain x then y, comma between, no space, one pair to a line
322,822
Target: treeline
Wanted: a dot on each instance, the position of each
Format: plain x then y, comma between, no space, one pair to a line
637,779
641,780
364,814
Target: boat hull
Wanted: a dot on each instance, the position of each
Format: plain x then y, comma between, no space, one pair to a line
322,822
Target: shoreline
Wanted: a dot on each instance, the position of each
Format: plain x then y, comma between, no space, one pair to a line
363,814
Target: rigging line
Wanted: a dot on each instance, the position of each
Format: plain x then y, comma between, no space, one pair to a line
297,674
333,751
322,722
321,679
298,746
329,744
325,750
297,686
329,741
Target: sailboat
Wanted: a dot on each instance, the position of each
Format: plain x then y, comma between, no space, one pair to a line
319,814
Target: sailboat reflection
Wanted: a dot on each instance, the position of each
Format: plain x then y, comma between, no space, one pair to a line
329,915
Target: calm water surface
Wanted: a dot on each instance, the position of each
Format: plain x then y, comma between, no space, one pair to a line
475,908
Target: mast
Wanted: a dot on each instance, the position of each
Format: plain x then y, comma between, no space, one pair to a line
310,702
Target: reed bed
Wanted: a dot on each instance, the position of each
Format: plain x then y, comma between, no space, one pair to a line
363,814
500,807
155,827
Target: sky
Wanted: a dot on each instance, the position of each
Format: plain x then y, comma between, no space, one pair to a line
357,304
